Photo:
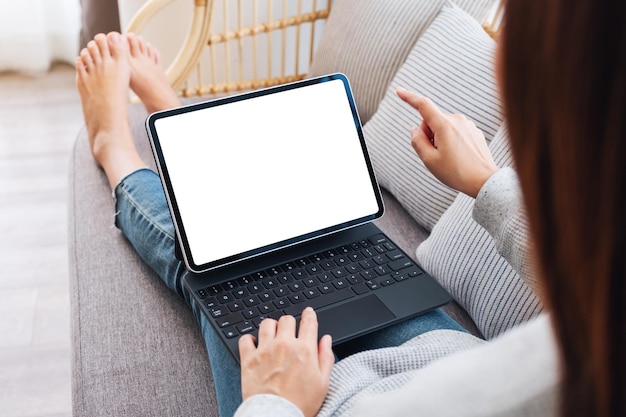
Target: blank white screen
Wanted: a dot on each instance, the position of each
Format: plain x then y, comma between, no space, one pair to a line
260,171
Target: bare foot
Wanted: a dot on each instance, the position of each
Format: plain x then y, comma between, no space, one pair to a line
102,79
147,78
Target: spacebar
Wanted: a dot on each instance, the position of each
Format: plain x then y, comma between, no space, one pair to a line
319,302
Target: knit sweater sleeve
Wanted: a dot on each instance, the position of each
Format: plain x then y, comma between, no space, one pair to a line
499,209
266,405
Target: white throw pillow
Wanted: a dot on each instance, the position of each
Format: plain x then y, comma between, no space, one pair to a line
463,258
368,40
452,64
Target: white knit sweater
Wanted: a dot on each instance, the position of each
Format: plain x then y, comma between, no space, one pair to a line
445,372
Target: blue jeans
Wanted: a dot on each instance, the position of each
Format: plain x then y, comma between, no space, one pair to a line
143,216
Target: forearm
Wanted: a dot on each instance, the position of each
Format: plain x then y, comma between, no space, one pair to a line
500,210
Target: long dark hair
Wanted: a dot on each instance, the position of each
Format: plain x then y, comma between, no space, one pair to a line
564,88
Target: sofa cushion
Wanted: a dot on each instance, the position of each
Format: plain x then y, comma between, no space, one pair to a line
452,64
463,258
368,40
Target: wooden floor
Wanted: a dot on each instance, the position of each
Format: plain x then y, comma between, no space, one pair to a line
39,119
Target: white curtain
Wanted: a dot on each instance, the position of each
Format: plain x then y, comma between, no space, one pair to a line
35,33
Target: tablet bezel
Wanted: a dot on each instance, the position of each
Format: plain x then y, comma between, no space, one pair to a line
171,198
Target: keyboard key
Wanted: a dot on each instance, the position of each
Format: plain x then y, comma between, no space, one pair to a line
281,292
245,280
246,327
266,308
210,302
256,287
355,246
325,277
395,255
259,275
368,275
354,278
343,250
311,293
360,288
373,285
224,298
214,290
328,264
339,272
320,302
318,257
282,303
340,283
302,262
367,264
311,281
289,266
240,292
369,252
235,306
284,278
387,281
382,270
251,300
330,253
266,296
400,277
364,243
299,274
313,269
415,271
296,286
380,259
341,260
326,288
400,264
380,249
218,312
296,298
272,272
202,293
353,268
270,283
230,333
250,313
355,256
378,239
229,320
388,246
230,285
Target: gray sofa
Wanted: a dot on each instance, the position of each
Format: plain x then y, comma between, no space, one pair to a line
136,348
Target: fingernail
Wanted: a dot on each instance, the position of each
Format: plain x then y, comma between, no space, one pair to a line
309,309
115,38
413,131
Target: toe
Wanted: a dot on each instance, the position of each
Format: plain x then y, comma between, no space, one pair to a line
101,41
141,42
117,45
94,51
133,45
85,57
80,69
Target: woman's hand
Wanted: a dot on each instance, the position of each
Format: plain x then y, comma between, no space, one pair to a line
295,368
451,146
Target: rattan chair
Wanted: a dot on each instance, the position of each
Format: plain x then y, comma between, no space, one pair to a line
244,57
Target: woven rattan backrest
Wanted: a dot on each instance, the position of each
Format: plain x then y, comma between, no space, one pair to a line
238,45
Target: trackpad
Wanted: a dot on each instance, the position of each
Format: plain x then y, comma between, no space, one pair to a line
351,319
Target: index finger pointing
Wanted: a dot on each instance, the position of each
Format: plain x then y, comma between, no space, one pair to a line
431,113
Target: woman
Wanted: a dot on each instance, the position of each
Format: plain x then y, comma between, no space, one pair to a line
564,90
562,71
